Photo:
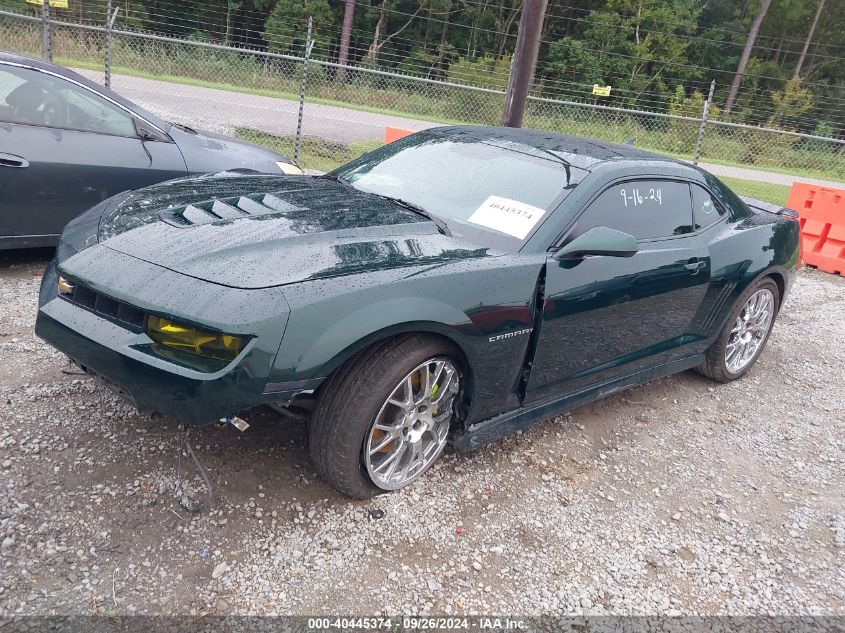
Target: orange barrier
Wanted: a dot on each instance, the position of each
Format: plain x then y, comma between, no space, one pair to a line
395,133
822,214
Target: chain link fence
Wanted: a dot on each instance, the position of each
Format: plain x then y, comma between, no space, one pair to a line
257,95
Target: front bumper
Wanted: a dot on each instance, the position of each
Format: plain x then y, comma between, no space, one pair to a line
115,355
149,389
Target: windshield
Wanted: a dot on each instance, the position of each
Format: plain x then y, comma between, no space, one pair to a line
489,190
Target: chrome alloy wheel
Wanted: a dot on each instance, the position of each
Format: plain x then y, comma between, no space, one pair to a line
412,425
750,330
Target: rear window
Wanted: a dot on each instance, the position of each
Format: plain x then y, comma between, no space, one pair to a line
705,209
734,206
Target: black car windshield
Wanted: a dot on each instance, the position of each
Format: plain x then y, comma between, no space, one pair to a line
489,190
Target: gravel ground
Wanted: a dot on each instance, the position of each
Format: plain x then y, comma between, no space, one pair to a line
678,497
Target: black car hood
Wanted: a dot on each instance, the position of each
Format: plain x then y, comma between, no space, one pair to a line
261,231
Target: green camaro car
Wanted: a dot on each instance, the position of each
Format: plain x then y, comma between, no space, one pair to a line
454,286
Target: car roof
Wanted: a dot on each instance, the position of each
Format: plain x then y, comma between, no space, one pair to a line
39,64
581,151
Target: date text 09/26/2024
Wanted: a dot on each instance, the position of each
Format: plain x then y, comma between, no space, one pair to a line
416,623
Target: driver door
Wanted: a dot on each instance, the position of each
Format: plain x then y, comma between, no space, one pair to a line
64,148
606,316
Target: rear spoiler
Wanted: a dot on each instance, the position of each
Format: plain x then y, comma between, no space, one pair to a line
761,205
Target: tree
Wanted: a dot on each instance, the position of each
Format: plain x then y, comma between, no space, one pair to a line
489,72
231,7
286,27
791,102
644,49
636,49
690,106
746,54
809,39
382,25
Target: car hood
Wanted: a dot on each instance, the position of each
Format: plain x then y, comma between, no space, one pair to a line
206,152
262,231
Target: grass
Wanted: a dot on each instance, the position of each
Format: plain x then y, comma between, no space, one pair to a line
774,169
317,153
776,194
749,149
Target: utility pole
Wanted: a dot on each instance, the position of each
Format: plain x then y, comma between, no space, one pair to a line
524,61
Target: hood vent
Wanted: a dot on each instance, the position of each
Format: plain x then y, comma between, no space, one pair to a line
227,209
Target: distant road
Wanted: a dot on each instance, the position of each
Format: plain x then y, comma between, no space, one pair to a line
269,114
222,110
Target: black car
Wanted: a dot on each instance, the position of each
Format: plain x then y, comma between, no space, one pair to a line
67,143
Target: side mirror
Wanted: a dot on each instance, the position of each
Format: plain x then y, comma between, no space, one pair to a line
148,133
599,241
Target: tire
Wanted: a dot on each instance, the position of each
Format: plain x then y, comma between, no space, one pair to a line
716,365
344,425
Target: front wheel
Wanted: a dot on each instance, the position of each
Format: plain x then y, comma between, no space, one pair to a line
745,333
385,418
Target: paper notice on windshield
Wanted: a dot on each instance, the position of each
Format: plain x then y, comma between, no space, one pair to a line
507,216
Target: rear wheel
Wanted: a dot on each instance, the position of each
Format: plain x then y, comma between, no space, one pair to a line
745,333
385,418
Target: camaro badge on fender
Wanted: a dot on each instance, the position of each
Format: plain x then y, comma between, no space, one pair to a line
499,337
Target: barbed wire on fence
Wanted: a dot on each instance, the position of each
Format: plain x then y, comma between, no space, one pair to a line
202,67
757,105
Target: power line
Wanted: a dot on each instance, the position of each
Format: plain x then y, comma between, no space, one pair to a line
427,69
698,27
621,55
177,14
642,97
611,53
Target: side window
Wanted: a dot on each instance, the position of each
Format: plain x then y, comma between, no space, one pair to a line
34,98
705,210
16,99
646,209
732,204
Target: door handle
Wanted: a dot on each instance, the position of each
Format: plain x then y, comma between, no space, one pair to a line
10,160
695,265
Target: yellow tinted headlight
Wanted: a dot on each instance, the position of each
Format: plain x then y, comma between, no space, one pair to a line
191,340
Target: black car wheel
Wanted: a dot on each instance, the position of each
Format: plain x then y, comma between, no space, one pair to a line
744,334
384,418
